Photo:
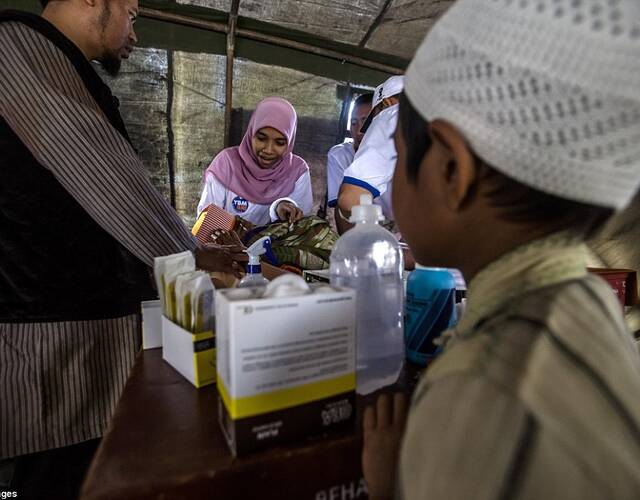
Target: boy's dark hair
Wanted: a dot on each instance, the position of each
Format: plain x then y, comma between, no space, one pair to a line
363,99
518,202
44,3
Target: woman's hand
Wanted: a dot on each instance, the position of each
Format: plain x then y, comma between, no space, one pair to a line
383,427
288,212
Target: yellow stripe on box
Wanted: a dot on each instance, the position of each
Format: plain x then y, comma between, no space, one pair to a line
202,336
196,226
204,367
250,406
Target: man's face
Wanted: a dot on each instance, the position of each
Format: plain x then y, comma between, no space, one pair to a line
418,207
117,34
358,117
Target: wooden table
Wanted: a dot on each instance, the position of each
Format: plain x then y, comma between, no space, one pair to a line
164,442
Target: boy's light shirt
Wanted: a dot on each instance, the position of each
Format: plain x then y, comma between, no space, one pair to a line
552,373
539,263
339,158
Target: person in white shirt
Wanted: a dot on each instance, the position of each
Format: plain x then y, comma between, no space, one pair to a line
261,180
340,156
374,163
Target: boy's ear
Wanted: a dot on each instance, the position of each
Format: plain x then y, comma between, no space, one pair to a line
460,169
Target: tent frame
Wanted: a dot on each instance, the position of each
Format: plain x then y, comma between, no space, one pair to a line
231,30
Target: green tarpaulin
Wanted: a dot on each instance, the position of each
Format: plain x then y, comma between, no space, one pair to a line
169,35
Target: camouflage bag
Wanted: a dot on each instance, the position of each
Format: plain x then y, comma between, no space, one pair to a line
306,244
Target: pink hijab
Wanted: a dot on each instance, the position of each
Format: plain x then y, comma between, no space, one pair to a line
238,170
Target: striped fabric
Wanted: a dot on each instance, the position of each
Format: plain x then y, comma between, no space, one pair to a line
59,382
45,102
537,395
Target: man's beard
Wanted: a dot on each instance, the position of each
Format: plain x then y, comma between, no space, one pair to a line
111,64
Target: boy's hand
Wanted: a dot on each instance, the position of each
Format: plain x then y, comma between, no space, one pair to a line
383,427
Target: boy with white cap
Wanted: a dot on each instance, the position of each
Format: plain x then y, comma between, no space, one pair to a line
518,135
375,160
341,155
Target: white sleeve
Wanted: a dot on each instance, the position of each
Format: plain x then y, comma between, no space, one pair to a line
370,171
213,192
301,197
335,173
375,161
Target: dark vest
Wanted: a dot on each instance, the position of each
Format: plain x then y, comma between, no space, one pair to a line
56,262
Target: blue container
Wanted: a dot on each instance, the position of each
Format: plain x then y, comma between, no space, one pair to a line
430,309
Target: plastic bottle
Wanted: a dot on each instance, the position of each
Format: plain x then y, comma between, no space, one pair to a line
254,275
368,259
430,310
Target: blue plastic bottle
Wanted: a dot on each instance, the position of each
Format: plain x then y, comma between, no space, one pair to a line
430,309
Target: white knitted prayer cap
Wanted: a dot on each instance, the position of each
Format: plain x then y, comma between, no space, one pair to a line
545,91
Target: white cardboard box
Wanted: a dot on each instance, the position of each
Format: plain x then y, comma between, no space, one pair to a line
151,324
286,366
191,354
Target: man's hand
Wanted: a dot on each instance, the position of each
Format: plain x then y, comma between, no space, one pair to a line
226,238
348,197
383,427
212,257
288,212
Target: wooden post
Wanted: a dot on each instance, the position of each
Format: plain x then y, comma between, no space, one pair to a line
170,136
231,51
374,25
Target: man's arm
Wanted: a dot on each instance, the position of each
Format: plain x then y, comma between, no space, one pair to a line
348,198
69,135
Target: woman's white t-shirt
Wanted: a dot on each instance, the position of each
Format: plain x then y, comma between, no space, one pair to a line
214,192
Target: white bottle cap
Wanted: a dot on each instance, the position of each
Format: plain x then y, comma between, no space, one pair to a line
366,211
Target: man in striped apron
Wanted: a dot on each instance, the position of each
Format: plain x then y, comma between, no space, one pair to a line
80,224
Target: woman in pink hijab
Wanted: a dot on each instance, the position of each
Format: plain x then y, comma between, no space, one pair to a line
261,179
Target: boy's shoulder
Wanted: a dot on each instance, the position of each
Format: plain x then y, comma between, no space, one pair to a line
342,149
574,326
553,376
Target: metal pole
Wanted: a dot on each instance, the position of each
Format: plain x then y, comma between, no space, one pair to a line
274,40
231,52
376,22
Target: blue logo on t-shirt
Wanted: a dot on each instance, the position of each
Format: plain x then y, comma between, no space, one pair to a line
240,204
